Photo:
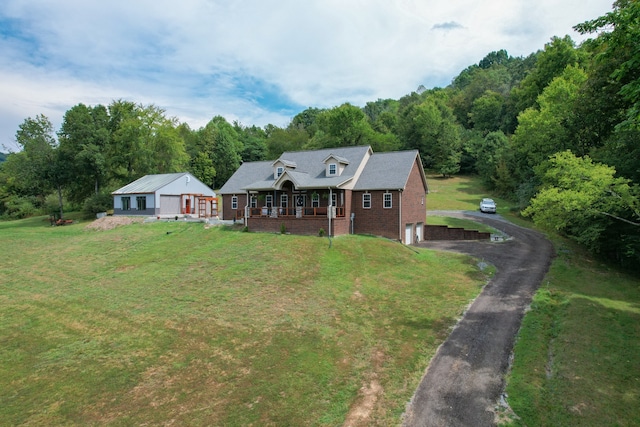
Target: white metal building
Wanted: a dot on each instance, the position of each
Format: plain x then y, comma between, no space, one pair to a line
165,194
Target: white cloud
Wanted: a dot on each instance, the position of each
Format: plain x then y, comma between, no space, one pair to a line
257,61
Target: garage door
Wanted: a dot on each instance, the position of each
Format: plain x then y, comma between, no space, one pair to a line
169,205
419,231
408,234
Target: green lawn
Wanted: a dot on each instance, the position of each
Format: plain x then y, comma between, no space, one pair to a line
174,323
577,359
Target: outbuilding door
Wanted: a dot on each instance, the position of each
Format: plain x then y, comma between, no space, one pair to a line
169,205
419,232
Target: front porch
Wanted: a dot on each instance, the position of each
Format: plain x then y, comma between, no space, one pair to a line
298,212
309,226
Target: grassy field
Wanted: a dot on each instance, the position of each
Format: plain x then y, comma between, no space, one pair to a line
577,359
173,323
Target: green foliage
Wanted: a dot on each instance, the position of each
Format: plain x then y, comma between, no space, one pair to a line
619,42
253,140
219,141
84,138
101,202
550,63
587,202
16,207
202,168
543,132
430,127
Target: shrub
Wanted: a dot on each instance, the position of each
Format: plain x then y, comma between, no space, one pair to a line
321,232
283,228
16,207
100,202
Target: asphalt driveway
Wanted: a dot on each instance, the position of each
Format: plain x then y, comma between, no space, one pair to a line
464,380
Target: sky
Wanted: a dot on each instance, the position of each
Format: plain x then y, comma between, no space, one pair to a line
255,61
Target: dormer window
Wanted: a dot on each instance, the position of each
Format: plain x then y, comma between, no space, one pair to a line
335,165
279,171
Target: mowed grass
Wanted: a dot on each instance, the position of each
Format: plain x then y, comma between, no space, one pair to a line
174,323
577,358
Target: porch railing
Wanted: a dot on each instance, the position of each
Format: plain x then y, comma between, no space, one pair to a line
275,212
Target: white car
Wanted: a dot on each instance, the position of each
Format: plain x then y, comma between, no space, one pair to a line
488,206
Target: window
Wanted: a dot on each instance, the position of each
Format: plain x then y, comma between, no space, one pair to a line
387,201
366,201
333,169
315,200
334,199
234,202
126,203
254,202
279,171
141,201
284,200
268,201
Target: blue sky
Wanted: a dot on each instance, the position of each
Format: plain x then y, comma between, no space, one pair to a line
255,61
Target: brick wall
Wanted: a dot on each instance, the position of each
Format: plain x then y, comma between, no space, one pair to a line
414,210
227,212
303,226
443,232
377,220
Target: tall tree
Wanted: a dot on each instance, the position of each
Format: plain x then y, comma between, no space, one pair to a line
43,171
543,132
550,63
619,42
431,128
253,139
143,141
84,137
587,202
221,144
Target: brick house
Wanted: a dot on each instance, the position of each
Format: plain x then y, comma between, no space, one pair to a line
346,190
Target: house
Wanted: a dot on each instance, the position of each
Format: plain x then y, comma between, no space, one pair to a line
346,190
165,194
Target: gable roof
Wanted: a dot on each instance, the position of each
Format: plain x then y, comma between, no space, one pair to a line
382,171
310,170
389,171
150,183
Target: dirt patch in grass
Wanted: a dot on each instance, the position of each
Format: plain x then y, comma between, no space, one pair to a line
111,222
360,412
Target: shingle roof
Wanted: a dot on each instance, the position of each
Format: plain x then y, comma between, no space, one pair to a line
383,171
309,171
387,171
247,173
149,183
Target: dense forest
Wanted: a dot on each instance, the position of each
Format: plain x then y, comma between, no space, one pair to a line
556,131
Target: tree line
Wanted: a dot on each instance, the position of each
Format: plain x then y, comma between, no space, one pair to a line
557,132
